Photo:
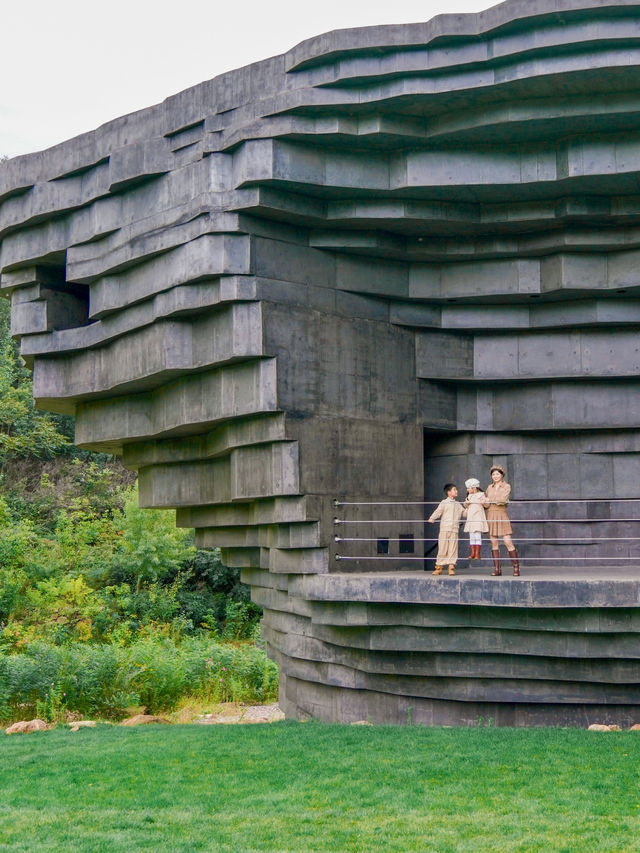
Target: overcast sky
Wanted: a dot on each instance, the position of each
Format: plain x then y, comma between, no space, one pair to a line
68,66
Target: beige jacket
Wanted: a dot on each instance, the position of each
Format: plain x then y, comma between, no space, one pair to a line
476,518
449,512
498,493
497,516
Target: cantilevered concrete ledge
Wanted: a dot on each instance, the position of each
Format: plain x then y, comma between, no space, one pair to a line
555,588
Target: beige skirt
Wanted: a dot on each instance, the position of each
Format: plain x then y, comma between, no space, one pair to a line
498,520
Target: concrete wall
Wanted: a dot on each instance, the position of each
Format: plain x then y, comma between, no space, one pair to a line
262,291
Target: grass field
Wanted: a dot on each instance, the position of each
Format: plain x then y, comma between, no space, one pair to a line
315,787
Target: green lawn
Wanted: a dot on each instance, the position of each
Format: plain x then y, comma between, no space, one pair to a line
314,787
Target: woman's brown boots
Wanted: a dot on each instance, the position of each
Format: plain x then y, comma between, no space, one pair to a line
496,563
515,562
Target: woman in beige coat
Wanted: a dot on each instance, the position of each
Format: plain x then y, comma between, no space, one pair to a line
497,494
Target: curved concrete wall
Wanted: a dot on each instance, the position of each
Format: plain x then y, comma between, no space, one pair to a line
262,291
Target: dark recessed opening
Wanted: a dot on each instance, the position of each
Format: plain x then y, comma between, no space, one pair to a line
383,546
67,302
69,306
406,543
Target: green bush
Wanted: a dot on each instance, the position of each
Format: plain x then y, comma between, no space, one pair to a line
106,680
114,576
211,597
150,549
38,490
23,430
104,605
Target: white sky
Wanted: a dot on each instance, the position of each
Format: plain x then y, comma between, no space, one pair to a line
67,66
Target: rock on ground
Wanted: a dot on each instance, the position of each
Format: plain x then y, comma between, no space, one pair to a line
25,727
76,725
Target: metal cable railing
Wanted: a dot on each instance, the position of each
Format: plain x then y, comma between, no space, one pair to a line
357,548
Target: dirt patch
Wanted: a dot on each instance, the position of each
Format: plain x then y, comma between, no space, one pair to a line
232,713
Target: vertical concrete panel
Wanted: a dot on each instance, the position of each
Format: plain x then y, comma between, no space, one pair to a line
551,355
596,475
495,356
531,475
626,474
564,476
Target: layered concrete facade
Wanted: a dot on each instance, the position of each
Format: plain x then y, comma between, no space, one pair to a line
389,257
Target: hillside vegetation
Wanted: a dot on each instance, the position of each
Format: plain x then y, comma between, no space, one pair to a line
87,579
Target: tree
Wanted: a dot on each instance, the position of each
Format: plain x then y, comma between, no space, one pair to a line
23,430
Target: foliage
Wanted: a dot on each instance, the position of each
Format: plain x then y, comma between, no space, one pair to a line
89,581
23,431
79,560
105,680
151,547
213,597
39,490
114,577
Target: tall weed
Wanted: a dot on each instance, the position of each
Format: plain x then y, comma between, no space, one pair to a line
106,680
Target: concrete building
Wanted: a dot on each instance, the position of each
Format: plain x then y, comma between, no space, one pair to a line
388,258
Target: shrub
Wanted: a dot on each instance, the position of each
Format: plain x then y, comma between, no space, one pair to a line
211,595
150,548
100,569
105,680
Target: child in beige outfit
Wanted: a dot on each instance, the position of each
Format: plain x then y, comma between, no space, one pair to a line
449,511
476,518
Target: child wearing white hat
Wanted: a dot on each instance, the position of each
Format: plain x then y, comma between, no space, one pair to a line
476,518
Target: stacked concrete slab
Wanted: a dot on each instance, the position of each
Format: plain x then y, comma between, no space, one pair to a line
266,290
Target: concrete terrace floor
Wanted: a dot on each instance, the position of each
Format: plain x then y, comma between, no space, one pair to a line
548,586
541,571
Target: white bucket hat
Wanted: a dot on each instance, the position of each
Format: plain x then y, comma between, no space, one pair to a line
472,483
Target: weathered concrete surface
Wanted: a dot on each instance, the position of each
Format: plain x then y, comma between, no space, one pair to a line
265,291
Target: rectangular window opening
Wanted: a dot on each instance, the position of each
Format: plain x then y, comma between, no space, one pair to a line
383,546
406,543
